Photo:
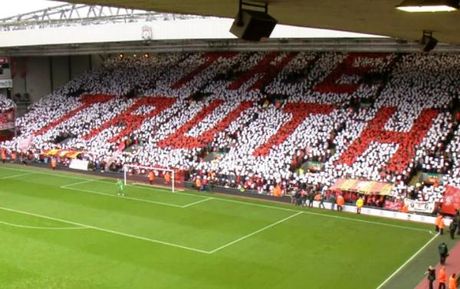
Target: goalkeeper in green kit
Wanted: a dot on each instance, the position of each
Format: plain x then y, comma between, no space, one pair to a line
120,188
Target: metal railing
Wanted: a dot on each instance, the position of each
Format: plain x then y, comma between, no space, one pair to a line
81,14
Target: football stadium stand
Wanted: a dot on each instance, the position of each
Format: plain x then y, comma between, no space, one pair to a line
262,120
6,103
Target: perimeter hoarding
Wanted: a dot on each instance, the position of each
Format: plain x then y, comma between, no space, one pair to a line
7,119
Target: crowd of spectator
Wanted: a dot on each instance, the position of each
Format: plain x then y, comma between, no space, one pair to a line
252,120
6,103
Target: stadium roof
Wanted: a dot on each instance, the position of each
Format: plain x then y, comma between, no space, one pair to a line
363,16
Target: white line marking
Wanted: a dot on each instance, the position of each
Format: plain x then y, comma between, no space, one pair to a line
160,187
197,202
14,176
257,205
163,190
124,197
407,262
323,215
253,233
367,222
220,199
40,227
237,202
107,230
108,181
61,174
77,183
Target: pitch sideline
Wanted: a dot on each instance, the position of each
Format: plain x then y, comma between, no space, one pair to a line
64,175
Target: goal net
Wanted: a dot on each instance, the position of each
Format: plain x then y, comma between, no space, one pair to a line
144,175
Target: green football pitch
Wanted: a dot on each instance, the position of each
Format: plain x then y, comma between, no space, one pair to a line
64,230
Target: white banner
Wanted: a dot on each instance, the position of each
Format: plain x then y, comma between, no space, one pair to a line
6,83
419,206
77,164
7,119
8,125
388,214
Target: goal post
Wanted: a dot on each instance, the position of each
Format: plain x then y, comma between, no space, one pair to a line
141,175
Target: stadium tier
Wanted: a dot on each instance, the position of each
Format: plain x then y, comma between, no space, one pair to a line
265,121
6,103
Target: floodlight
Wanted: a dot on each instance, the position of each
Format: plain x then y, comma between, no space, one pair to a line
428,5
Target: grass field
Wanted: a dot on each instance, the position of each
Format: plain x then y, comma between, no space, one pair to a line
69,231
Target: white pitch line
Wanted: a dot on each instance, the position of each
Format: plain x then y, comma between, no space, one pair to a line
124,197
71,187
40,227
77,183
407,262
257,205
107,230
62,174
367,222
323,215
14,176
253,233
233,201
197,202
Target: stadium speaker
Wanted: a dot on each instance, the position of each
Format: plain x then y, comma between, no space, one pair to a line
428,41
253,25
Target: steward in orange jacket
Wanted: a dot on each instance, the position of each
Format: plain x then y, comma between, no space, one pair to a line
151,177
3,154
439,223
340,203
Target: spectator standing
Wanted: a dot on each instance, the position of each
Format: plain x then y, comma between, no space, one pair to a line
3,153
443,252
431,276
439,224
457,218
453,281
333,200
359,205
297,198
167,178
442,277
452,228
204,184
151,177
303,197
198,183
321,201
311,197
404,208
340,203
53,163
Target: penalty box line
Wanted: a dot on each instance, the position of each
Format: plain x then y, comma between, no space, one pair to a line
15,176
71,176
72,187
61,174
254,233
238,202
208,252
106,230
